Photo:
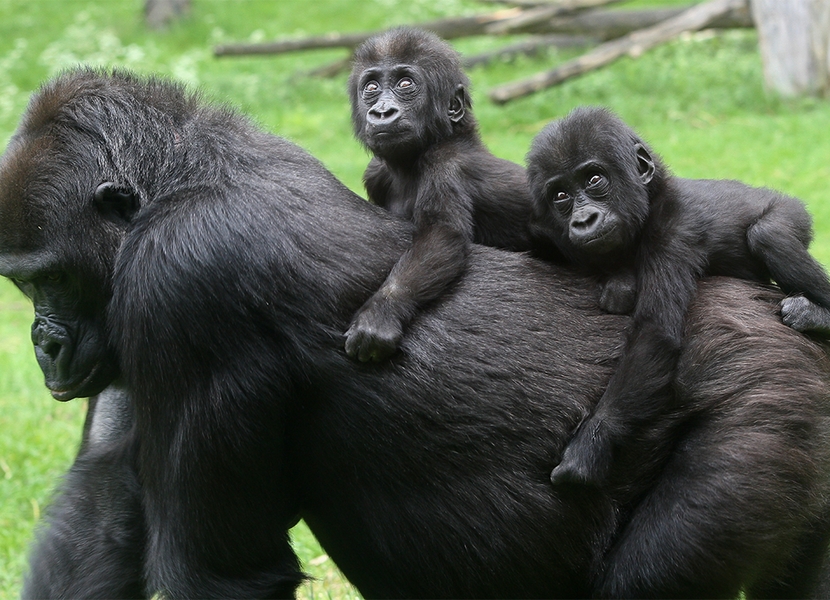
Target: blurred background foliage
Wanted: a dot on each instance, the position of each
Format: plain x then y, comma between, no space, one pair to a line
699,101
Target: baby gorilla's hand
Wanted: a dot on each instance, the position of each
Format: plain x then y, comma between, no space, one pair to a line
619,293
802,315
587,457
374,333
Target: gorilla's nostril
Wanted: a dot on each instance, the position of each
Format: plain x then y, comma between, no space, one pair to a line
383,114
587,222
51,347
50,342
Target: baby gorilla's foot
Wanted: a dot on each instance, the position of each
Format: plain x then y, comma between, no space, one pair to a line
587,457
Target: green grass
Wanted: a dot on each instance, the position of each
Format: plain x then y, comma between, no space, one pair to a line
699,101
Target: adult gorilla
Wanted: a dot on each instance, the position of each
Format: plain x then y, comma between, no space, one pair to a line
229,263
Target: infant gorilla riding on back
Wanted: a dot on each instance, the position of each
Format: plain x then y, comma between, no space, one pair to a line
608,204
411,107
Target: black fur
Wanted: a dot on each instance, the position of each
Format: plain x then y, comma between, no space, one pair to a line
92,543
607,202
411,108
423,476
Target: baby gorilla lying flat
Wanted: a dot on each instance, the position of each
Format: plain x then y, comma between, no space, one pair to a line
607,202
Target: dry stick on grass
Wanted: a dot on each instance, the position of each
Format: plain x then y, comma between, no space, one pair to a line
446,28
529,47
634,44
611,24
590,27
542,14
598,23
503,21
571,5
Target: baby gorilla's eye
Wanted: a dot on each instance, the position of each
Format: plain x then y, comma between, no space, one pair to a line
406,82
371,87
594,180
561,197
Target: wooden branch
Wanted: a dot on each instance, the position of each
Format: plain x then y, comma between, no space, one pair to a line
528,47
599,23
446,28
542,13
572,5
634,44
611,24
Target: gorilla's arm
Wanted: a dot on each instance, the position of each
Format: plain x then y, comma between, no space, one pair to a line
641,388
437,257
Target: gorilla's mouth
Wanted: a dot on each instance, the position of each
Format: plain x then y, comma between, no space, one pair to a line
64,394
603,241
383,134
387,130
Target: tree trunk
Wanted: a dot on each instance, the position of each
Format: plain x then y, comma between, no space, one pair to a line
794,36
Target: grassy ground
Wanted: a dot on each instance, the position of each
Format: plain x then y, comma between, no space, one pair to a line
699,101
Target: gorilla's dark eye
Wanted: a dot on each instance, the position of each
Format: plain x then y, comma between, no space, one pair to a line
406,82
50,277
594,180
561,197
371,87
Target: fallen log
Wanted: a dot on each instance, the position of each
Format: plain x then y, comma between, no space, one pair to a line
612,24
543,13
600,23
572,5
529,47
446,28
634,44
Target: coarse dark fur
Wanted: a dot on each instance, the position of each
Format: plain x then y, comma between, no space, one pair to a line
92,544
609,204
238,260
411,108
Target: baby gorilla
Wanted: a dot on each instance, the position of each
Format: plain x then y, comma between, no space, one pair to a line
607,202
411,108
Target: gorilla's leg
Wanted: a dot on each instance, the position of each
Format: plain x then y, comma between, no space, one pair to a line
92,544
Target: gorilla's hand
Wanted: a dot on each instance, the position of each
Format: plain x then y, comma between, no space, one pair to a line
619,293
802,315
374,333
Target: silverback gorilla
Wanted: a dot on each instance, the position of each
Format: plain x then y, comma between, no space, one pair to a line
209,269
411,107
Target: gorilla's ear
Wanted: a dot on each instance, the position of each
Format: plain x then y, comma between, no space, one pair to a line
116,202
458,104
645,164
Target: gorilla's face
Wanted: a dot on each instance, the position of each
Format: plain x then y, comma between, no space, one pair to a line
60,229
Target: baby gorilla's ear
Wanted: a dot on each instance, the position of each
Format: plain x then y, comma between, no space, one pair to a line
458,104
645,164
